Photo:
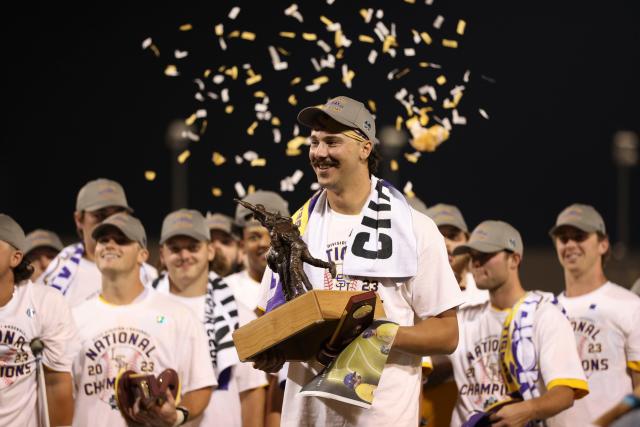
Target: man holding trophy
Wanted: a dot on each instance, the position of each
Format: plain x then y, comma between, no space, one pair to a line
372,240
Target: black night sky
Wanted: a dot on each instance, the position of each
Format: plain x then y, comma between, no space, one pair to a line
82,99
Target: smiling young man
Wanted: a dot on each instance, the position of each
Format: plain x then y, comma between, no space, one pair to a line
605,316
29,312
73,272
186,250
131,327
366,227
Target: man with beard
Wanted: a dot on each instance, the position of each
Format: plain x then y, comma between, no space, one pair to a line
605,316
228,257
42,247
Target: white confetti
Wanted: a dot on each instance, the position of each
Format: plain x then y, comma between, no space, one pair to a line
312,88
233,14
401,94
199,97
329,62
409,52
223,44
296,130
146,42
250,155
368,15
427,89
372,56
293,12
200,83
380,14
238,160
467,74
218,78
383,28
458,119
408,187
277,136
316,64
428,2
212,95
437,23
240,191
335,26
224,94
260,107
483,113
179,54
315,186
416,37
202,113
297,176
324,46
190,136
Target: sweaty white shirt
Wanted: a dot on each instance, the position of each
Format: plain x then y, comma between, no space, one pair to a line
606,324
33,312
245,290
149,335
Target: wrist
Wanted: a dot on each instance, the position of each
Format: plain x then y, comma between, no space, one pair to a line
631,400
182,414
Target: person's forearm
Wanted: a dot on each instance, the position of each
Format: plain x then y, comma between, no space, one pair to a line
552,402
253,404
59,397
635,379
196,401
435,335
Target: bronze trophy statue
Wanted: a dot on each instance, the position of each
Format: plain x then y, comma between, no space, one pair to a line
288,251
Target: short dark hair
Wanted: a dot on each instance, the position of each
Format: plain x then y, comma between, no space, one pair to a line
22,271
605,256
374,159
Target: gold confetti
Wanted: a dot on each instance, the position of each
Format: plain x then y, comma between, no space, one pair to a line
171,71
320,80
424,64
402,73
203,129
461,27
347,78
292,152
424,118
247,35
410,1
259,162
295,144
450,43
234,34
218,159
340,54
372,105
251,130
232,72
389,42
207,73
254,79
283,51
326,21
425,37
295,81
365,39
184,156
292,100
394,165
430,139
399,123
219,30
259,94
275,121
441,80
216,191
155,50
364,13
149,175
411,157
453,104
251,189
424,99
337,39
288,34
309,36
186,27
228,109
190,120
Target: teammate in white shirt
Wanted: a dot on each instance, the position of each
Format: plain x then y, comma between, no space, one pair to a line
605,316
440,391
255,243
229,256
423,303
42,248
29,312
131,327
496,250
186,251
73,272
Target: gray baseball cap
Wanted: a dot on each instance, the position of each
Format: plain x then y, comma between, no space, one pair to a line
344,110
101,193
271,201
583,217
443,214
184,222
43,238
492,236
218,221
12,233
128,225
417,204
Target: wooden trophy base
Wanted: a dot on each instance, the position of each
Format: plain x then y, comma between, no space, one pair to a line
299,327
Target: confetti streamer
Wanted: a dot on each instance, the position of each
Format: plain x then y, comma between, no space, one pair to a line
150,175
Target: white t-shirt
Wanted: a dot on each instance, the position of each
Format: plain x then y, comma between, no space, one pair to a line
471,293
245,290
476,361
606,324
86,283
432,291
224,408
149,335
33,312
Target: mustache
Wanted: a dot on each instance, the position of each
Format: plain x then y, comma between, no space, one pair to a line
327,162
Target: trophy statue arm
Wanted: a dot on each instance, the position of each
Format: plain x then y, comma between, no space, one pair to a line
309,259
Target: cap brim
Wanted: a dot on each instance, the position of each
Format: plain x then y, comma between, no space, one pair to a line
580,226
102,227
107,205
483,247
308,117
186,233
